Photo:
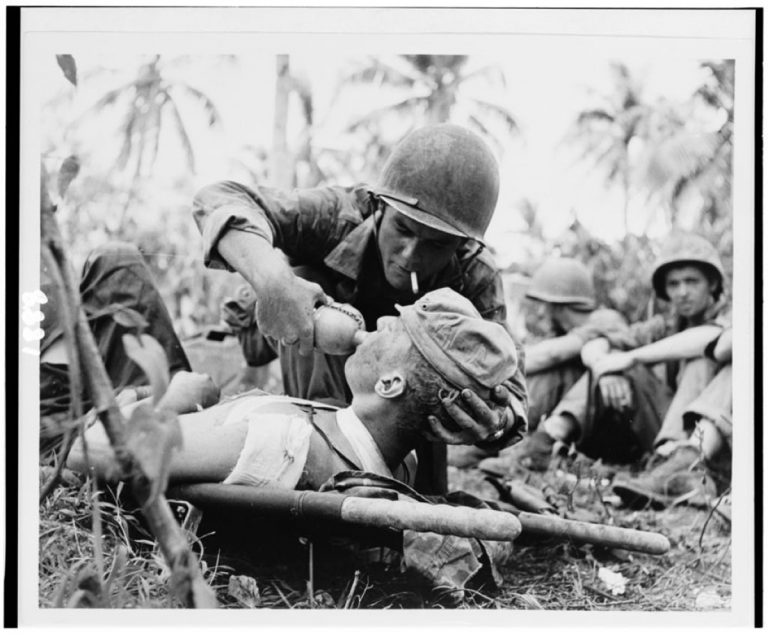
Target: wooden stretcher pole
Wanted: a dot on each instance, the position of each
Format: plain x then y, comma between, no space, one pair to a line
594,533
460,521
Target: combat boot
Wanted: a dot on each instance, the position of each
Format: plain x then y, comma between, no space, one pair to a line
682,478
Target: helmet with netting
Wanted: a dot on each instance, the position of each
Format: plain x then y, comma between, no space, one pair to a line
685,249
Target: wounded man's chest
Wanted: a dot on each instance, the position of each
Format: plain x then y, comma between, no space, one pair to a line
329,452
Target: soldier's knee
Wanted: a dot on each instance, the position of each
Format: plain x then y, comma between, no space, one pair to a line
698,370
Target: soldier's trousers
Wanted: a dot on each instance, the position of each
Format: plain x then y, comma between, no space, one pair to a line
113,276
547,388
657,414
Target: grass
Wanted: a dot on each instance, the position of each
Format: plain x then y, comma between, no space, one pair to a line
124,569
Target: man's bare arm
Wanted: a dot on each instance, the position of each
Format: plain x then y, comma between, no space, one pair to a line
551,352
680,346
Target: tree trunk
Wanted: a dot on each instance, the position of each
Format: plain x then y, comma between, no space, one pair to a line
440,103
282,166
626,191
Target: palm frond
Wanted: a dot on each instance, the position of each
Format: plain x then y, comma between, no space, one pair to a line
157,115
485,132
127,134
210,108
182,132
594,115
491,72
409,102
498,112
393,72
112,96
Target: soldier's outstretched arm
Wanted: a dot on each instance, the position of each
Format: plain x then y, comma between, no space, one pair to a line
284,302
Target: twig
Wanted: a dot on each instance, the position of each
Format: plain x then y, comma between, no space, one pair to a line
614,601
73,366
709,516
61,458
352,589
280,593
311,581
98,553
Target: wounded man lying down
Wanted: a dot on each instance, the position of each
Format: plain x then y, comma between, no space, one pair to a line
398,376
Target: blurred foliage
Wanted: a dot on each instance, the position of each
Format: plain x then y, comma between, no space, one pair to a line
605,131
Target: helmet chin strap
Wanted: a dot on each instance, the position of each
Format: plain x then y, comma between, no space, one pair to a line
378,213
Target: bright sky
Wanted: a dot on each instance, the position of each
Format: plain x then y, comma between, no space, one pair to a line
544,97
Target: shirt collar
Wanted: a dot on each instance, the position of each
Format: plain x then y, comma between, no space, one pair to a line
711,314
362,442
347,257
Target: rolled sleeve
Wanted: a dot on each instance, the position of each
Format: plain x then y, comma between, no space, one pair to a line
223,207
639,334
306,224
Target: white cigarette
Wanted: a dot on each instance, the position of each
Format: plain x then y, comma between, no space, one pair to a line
414,284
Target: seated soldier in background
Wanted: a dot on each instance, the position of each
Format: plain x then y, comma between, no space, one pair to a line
564,297
399,375
630,412
699,466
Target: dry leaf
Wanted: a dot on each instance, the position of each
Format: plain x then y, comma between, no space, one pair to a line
245,590
67,65
614,581
70,168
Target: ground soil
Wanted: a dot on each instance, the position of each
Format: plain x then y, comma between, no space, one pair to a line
289,572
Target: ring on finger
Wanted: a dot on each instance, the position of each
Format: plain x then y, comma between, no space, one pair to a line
496,434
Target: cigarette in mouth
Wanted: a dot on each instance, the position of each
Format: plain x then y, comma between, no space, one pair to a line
414,284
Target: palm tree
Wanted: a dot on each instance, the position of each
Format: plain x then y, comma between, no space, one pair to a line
428,89
284,174
687,154
604,132
148,101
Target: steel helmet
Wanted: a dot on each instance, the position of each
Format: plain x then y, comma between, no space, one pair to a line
445,177
563,281
682,249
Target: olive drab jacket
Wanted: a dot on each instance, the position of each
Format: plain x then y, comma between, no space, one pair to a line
329,236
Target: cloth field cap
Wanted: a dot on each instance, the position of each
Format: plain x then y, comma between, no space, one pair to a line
464,348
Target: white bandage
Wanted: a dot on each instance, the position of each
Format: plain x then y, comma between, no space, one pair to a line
276,445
